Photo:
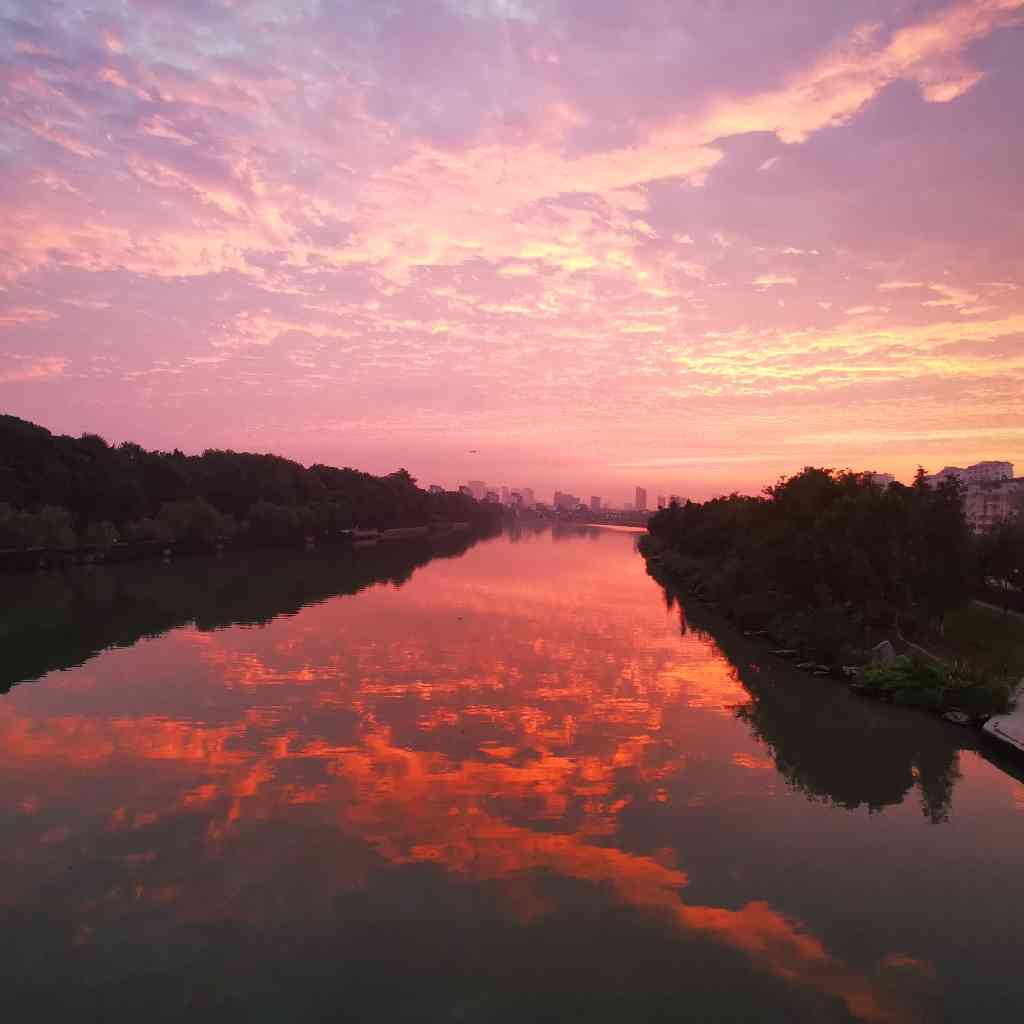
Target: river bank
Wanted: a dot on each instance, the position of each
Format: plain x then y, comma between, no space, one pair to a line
972,678
25,560
845,726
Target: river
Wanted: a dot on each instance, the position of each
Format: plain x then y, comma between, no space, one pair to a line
498,781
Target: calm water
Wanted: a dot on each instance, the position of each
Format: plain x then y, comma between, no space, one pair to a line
510,784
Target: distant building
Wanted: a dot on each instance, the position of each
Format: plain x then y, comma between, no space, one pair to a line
466,489
979,473
880,479
641,499
436,489
661,501
528,499
988,504
991,495
492,496
674,499
504,496
478,489
989,472
595,503
627,506
568,502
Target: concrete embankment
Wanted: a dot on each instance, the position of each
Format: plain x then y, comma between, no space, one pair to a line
1010,727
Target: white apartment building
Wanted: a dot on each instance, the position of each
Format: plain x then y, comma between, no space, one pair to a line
979,473
988,504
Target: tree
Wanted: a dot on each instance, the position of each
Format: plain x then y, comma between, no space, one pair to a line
101,534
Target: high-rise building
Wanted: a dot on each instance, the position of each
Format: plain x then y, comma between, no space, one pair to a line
661,501
568,502
641,499
478,489
595,503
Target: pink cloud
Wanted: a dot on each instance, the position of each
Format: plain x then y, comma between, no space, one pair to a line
40,369
449,216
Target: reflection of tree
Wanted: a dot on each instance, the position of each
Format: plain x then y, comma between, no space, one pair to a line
834,746
58,620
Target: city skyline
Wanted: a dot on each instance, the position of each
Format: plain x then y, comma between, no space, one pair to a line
574,242
975,473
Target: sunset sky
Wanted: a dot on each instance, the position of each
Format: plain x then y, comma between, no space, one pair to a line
687,245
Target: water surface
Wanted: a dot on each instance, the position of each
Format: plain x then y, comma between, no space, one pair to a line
512,783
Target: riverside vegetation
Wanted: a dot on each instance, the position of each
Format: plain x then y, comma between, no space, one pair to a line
60,492
826,564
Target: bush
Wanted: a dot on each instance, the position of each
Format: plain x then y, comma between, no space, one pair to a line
50,527
149,531
100,534
195,520
918,683
755,610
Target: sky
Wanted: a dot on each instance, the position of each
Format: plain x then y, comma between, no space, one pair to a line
690,245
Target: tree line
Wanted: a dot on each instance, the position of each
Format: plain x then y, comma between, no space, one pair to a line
58,491
823,558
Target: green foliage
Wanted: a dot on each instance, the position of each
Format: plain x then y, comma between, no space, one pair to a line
50,527
902,673
101,533
835,548
166,496
196,520
988,639
999,556
755,609
918,683
148,530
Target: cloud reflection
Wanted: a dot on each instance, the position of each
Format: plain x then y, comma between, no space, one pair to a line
496,734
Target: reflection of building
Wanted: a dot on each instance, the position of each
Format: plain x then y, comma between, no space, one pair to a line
641,499
595,503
